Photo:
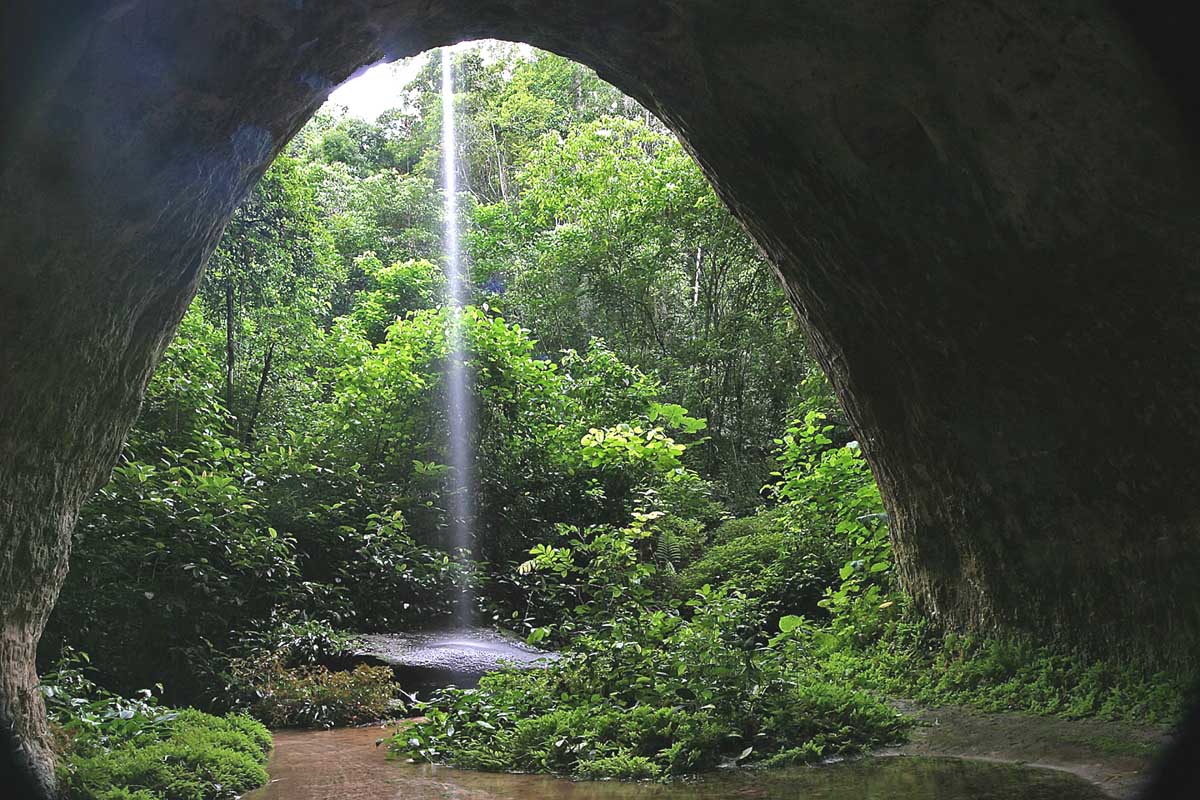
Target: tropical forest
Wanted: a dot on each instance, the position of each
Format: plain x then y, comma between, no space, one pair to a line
492,454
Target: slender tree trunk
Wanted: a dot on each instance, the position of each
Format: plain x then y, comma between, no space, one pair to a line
501,169
248,435
230,351
696,278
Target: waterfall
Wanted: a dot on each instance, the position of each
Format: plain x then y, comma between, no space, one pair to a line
459,407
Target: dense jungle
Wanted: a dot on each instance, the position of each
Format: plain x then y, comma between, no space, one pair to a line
666,494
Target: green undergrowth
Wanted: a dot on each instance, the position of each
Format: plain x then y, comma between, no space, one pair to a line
654,696
120,748
279,679
318,697
910,660
187,755
726,660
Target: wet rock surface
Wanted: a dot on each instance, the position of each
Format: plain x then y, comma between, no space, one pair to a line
1114,756
431,660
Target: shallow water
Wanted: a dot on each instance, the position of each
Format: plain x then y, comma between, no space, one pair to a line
425,662
460,649
346,764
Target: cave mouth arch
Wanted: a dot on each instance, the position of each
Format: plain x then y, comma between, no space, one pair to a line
984,216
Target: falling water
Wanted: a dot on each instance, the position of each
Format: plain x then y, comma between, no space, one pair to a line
459,411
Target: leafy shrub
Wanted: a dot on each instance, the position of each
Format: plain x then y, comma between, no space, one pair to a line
301,641
754,562
770,559
623,766
652,694
777,520
116,748
591,575
313,696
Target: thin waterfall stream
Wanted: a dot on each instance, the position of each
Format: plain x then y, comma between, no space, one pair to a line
459,406
429,660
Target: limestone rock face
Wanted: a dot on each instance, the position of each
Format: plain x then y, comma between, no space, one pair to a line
984,213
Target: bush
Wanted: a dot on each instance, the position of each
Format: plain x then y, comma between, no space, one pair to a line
301,641
773,520
195,757
623,766
770,557
115,748
649,695
313,696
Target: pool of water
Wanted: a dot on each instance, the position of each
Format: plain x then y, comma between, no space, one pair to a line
425,662
346,764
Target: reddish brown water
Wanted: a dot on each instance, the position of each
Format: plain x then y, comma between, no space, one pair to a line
346,764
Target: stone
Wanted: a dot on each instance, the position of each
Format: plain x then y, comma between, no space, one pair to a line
429,660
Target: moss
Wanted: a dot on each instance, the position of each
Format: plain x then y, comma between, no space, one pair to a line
194,756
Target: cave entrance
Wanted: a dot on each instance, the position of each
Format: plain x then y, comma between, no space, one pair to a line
983,216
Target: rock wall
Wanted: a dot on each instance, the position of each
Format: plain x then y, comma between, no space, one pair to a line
984,213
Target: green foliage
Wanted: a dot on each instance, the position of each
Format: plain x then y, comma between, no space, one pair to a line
622,766
314,696
771,558
116,748
650,694
593,575
300,641
284,678
1006,674
772,521
178,548
874,641
831,492
213,541
392,292
195,756
605,224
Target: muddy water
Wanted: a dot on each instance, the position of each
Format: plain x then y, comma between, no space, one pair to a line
346,764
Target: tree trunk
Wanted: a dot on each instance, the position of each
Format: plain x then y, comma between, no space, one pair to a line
230,352
248,434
